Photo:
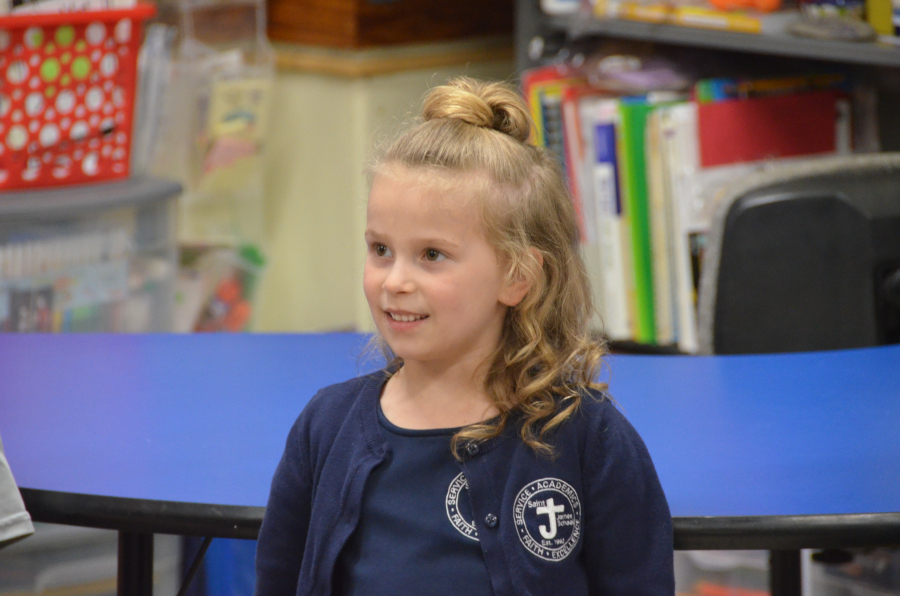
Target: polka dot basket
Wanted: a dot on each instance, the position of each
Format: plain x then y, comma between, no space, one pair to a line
67,86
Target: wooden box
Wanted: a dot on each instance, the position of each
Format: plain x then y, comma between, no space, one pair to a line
367,23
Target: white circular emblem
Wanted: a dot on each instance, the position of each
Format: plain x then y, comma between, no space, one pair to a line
547,514
455,495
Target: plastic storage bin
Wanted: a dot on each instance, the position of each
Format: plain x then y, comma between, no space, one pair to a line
67,85
99,258
873,572
722,573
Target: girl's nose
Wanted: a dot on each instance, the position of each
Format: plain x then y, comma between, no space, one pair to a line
399,279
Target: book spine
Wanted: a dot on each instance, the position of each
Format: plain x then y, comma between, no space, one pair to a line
551,121
574,156
658,215
680,126
599,123
721,89
634,117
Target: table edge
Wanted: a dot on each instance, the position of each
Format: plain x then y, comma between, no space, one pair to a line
765,532
787,532
149,516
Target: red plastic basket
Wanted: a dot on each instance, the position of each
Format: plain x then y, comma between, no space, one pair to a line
67,86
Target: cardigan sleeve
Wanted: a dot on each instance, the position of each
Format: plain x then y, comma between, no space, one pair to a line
628,546
282,536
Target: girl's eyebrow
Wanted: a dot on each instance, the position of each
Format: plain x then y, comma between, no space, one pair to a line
440,241
425,241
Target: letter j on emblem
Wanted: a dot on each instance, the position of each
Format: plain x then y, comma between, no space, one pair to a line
550,510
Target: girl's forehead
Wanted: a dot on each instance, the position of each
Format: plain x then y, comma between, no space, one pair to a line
439,184
420,203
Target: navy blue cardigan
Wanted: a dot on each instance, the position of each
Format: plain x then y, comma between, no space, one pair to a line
593,520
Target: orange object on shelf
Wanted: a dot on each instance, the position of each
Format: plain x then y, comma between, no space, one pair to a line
67,91
705,588
760,5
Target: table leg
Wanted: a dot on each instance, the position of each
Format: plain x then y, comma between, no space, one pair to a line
135,564
784,573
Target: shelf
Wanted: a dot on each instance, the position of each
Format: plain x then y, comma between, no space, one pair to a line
877,54
633,347
73,199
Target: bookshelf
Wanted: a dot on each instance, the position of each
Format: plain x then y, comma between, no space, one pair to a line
538,39
878,54
531,22
877,64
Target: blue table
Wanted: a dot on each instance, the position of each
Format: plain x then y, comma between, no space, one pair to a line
181,434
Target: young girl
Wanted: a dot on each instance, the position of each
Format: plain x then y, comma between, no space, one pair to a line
484,459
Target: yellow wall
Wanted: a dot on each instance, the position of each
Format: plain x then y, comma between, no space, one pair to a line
322,129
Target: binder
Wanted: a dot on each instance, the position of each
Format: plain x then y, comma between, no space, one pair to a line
743,130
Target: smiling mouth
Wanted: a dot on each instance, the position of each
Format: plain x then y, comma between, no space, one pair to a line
406,318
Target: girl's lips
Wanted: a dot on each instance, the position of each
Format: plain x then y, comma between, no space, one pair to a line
404,322
404,316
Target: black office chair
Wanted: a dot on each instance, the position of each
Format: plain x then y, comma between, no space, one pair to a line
805,256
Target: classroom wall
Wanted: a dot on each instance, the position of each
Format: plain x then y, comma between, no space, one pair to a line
324,122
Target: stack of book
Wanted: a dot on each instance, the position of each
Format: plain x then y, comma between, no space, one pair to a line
699,13
744,16
645,171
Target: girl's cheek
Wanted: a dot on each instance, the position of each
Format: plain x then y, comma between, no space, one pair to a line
370,279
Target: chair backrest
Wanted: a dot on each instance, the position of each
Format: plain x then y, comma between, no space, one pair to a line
805,256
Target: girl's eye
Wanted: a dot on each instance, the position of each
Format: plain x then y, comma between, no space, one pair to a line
381,250
433,255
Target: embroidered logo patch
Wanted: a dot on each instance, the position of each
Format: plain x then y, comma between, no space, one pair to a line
547,514
456,500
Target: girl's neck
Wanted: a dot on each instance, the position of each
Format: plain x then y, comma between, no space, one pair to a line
417,398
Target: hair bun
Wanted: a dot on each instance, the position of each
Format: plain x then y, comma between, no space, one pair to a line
490,105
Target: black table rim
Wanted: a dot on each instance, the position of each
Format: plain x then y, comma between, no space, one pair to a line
776,532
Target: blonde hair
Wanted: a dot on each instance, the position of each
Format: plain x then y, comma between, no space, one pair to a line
546,356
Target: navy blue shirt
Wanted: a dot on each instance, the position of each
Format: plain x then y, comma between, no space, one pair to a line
607,531
416,527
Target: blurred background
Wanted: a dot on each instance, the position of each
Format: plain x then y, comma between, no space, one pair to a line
198,166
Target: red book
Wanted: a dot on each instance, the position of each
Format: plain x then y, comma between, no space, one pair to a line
742,130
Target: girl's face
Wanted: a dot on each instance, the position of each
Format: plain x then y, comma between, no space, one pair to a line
435,286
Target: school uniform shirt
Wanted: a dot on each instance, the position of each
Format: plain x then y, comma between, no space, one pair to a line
592,520
418,494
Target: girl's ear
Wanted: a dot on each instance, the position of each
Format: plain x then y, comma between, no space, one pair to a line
523,279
